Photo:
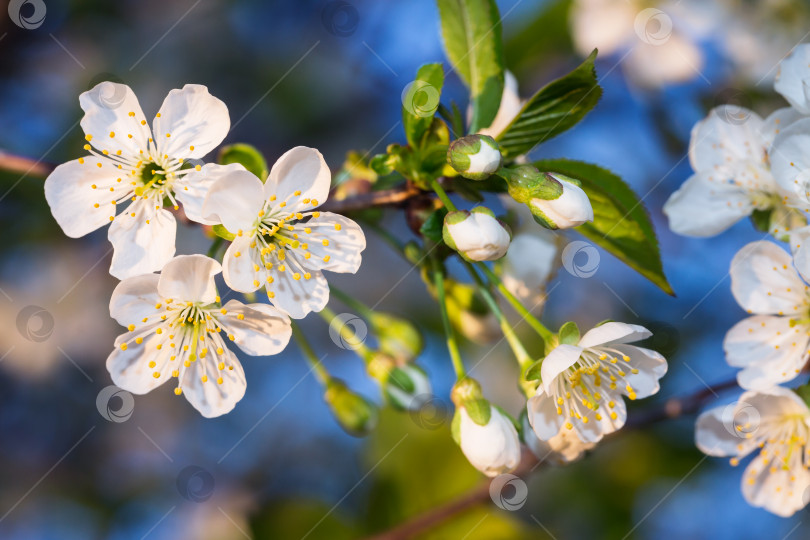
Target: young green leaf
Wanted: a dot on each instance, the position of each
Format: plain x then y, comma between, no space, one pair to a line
421,100
471,30
621,224
555,108
569,333
248,156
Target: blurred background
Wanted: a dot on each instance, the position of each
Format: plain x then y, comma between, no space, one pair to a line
330,75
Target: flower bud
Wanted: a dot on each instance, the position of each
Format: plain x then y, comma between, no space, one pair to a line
408,387
355,414
486,434
477,235
555,200
571,209
474,156
399,338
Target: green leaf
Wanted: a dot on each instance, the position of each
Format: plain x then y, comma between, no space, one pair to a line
533,372
433,225
479,410
222,232
421,102
471,30
621,224
555,108
248,156
569,333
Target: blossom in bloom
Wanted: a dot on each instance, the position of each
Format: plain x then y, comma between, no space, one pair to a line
281,241
477,235
475,156
175,328
582,385
793,78
561,449
772,345
774,423
571,209
132,170
730,154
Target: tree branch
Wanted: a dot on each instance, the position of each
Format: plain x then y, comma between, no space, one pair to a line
25,166
672,408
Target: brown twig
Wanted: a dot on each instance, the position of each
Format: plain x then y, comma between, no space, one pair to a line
672,408
25,166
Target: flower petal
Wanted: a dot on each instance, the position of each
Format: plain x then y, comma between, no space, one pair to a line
792,80
800,248
728,134
262,331
651,366
768,348
715,434
300,169
494,448
212,398
790,161
778,121
561,449
239,266
612,333
510,106
529,264
602,421
131,369
134,299
298,297
764,281
77,206
112,119
779,490
702,207
190,278
192,189
558,360
344,238
542,414
143,243
235,200
195,121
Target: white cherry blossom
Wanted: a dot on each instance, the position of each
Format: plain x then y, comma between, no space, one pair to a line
730,153
132,170
583,384
772,345
282,243
774,425
177,329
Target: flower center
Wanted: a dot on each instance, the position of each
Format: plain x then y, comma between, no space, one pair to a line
152,180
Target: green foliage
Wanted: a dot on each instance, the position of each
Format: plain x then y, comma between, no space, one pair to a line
471,30
246,155
621,224
433,226
555,108
569,333
479,410
542,39
533,372
222,232
421,102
